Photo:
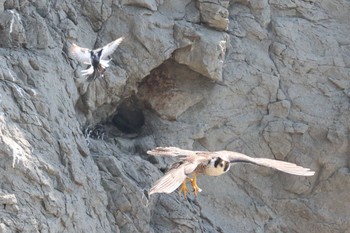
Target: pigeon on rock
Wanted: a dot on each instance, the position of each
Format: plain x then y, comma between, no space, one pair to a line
95,58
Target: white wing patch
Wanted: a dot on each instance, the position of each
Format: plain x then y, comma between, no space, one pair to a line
109,48
81,54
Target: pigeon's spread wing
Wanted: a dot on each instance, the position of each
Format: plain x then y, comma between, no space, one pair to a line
286,167
81,54
109,48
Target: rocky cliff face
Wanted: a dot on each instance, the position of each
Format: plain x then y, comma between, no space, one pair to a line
266,78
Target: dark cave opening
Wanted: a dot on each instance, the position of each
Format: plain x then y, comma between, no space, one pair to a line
166,93
128,121
129,117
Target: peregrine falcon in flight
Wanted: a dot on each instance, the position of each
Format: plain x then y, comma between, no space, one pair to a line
94,58
193,163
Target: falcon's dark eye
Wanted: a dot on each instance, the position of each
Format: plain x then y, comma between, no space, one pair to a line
218,161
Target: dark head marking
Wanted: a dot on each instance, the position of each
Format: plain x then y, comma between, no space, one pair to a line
99,53
222,163
217,162
95,58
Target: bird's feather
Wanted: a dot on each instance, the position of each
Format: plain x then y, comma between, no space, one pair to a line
110,47
283,166
232,157
191,159
81,54
170,181
172,151
173,178
104,63
88,71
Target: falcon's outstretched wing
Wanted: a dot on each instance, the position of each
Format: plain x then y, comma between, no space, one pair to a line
283,166
232,157
173,178
170,151
170,181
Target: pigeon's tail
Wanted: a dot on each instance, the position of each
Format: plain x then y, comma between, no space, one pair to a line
88,71
97,72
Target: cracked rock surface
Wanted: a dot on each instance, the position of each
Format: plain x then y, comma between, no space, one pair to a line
265,78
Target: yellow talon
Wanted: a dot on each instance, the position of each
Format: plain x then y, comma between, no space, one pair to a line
195,187
184,188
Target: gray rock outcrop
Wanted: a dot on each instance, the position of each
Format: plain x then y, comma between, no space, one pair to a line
266,78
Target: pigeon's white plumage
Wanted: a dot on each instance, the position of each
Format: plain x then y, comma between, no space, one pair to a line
95,58
109,48
81,54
